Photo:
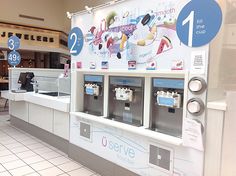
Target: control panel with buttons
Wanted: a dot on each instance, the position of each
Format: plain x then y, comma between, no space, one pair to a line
195,106
197,85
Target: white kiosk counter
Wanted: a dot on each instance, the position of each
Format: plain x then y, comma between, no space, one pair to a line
44,116
46,112
57,103
221,138
216,111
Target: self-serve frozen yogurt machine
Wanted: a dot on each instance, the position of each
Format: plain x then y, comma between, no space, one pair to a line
93,94
126,98
167,97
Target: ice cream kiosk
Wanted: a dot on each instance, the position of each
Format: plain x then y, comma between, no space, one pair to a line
140,82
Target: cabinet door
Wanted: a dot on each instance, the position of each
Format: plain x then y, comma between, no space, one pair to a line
41,117
19,109
61,124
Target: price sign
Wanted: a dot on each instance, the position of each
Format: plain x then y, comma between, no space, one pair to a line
13,43
75,41
14,58
199,22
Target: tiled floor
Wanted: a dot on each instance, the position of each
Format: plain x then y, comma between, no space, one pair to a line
24,155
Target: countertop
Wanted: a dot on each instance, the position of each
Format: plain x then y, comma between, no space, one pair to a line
57,103
217,105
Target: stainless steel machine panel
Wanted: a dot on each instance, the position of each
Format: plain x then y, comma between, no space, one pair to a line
85,130
93,94
167,106
160,157
126,98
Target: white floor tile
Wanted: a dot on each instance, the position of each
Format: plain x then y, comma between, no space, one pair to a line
2,147
14,145
59,160
44,143
5,174
14,164
35,146
22,138
54,171
43,150
6,138
33,159
41,165
29,142
22,171
33,174
2,169
61,152
19,149
3,135
7,141
26,154
81,172
50,155
5,152
8,158
14,134
70,166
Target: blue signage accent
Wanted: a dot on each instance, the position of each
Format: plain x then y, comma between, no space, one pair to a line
89,91
126,81
199,22
75,41
14,58
165,101
93,78
13,43
168,83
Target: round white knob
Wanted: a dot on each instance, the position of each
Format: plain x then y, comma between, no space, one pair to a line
195,85
194,107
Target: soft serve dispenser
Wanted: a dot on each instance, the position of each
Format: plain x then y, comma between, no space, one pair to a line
93,94
167,106
126,97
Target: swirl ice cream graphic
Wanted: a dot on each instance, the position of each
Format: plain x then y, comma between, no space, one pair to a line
133,37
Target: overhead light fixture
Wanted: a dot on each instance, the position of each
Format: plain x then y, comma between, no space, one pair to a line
89,9
112,2
69,15
115,1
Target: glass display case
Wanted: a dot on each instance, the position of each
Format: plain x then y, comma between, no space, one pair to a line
51,86
47,82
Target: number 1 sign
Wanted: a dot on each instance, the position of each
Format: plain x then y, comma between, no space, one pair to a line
75,41
199,22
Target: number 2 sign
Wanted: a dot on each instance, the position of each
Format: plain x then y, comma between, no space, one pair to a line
199,22
75,41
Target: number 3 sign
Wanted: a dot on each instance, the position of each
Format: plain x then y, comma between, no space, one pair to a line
199,22
13,43
75,41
